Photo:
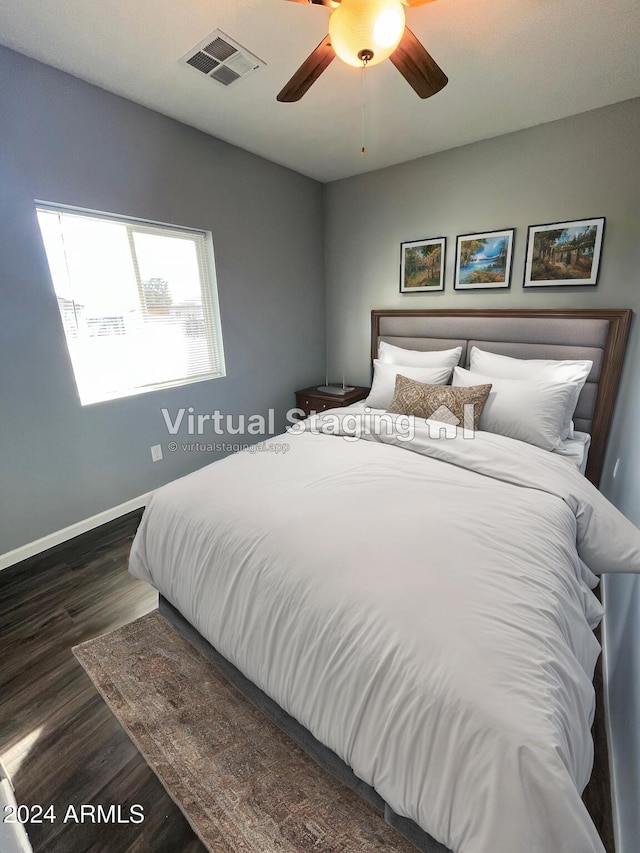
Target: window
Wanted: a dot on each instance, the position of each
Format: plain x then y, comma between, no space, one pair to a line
137,300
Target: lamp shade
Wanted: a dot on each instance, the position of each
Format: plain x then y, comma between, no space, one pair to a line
366,28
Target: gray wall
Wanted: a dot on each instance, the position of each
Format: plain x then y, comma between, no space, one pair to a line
66,141
584,166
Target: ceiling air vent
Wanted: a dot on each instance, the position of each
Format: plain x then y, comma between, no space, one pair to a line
222,59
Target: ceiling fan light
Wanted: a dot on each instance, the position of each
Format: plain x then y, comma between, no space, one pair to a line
366,25
388,28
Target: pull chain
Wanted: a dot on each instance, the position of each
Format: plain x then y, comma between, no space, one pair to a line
362,94
364,56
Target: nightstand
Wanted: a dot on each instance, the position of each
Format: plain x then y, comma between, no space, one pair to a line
310,400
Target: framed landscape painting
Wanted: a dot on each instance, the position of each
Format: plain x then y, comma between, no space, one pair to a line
483,261
564,253
422,265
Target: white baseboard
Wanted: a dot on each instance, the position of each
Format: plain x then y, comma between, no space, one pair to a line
59,536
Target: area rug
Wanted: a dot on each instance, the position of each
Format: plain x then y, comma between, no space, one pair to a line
243,785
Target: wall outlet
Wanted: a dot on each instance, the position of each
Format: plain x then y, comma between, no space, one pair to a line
156,452
615,468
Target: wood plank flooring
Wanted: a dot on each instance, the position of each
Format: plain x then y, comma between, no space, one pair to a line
58,740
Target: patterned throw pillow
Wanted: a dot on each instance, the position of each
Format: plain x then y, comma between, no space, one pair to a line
441,402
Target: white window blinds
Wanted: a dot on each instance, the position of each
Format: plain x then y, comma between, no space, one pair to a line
138,302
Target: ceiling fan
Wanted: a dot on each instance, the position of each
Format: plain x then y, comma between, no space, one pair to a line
365,32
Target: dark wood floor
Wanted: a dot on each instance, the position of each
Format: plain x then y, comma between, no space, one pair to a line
59,741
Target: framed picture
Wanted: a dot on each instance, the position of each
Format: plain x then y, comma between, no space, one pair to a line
483,261
564,253
422,265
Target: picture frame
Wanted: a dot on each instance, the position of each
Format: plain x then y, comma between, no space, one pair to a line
484,260
422,265
562,254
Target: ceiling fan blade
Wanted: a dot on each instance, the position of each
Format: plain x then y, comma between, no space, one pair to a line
308,73
332,3
418,68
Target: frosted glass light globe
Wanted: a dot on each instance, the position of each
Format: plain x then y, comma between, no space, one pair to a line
375,26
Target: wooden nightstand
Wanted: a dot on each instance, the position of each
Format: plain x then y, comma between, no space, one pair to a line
310,400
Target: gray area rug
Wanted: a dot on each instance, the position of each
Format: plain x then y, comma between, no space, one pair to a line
243,785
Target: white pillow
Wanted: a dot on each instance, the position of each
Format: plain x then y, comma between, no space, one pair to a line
535,369
391,354
529,411
384,380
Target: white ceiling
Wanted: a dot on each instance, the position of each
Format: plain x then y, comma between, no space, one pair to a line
511,64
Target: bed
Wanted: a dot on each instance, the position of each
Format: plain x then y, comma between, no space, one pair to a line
419,619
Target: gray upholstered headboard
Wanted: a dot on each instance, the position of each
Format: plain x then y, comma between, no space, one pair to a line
600,336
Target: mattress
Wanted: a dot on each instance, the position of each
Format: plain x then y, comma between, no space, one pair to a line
424,608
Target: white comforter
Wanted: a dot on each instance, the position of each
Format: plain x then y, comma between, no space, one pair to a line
424,614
